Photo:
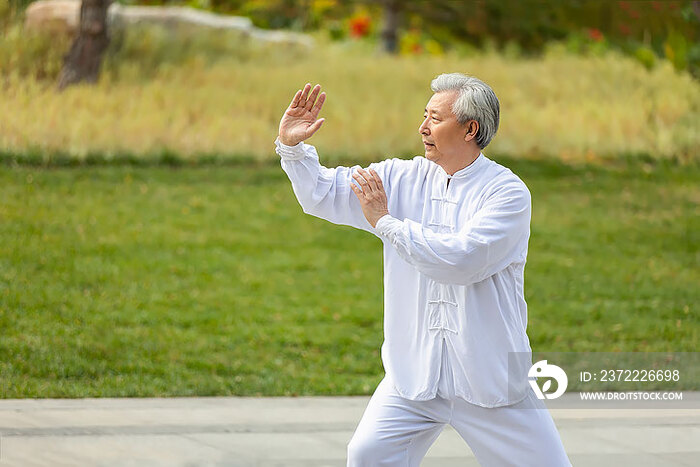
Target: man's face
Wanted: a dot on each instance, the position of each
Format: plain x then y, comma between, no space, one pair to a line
443,137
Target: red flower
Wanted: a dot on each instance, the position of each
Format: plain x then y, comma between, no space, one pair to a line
416,48
656,5
625,30
624,5
595,35
359,26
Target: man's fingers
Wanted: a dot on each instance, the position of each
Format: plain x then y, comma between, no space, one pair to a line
365,190
370,179
319,103
356,190
312,98
377,179
313,128
295,99
359,179
304,95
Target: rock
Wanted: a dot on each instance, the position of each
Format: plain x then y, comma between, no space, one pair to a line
176,16
64,16
57,16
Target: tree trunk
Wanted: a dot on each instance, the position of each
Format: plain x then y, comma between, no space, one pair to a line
82,63
390,25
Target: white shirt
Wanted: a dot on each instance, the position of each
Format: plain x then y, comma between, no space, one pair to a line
454,257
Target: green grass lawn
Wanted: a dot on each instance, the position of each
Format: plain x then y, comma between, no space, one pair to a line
155,281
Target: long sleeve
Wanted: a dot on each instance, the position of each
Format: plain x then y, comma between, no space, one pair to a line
325,192
494,238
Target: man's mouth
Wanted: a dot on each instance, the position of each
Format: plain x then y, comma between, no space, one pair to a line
427,144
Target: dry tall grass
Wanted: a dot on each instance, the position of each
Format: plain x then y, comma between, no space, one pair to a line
561,106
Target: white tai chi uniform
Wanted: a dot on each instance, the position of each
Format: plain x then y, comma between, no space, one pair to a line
455,348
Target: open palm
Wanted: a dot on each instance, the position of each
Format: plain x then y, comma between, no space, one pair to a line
299,120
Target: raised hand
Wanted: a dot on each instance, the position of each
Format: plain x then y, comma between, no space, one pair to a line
299,120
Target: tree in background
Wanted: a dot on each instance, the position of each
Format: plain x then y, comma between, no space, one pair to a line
83,61
390,28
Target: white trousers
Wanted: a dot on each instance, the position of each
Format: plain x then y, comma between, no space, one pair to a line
398,432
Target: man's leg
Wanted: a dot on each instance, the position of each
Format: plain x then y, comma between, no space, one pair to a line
522,434
395,431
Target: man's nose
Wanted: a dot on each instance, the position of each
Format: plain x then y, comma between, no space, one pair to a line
423,128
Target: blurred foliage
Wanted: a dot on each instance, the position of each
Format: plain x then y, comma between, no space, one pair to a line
17,4
4,10
668,29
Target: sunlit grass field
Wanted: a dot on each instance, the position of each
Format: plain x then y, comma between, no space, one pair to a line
154,281
191,270
571,108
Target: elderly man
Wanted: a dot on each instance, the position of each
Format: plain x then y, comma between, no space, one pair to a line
455,228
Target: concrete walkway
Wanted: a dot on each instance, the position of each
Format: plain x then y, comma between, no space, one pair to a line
304,431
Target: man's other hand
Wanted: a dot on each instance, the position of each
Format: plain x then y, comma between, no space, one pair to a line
372,195
299,120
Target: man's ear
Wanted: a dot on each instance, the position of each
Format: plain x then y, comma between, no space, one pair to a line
472,127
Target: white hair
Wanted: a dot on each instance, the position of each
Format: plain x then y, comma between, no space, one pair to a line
476,101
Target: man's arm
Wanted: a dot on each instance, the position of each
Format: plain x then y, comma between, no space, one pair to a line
322,192
490,242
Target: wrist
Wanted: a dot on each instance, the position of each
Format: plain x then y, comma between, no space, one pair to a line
378,218
287,142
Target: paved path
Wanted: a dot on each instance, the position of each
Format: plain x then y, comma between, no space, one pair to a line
303,431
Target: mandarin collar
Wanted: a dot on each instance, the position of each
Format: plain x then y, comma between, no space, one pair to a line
466,171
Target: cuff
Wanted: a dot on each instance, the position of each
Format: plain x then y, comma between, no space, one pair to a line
291,153
386,225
